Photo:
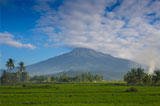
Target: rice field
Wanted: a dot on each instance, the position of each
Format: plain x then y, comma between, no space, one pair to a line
79,94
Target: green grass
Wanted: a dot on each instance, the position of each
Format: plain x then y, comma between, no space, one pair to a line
79,94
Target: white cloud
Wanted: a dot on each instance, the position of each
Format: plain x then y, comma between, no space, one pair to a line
124,32
7,39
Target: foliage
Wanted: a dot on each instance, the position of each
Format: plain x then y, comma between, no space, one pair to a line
135,76
98,77
84,77
138,76
52,78
147,79
48,79
38,78
21,66
6,77
10,77
132,89
77,78
24,76
10,64
156,77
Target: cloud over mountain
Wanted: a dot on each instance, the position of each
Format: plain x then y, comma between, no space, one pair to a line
123,28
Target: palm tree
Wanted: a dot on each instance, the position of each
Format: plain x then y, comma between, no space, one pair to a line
21,66
10,64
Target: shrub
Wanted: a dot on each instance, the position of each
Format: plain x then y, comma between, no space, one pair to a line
132,89
24,85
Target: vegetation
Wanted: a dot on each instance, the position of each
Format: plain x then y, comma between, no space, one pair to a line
79,94
83,77
11,77
10,64
79,90
23,76
136,76
21,66
132,89
156,77
139,77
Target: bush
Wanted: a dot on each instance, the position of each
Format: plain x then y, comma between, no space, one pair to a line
132,90
24,85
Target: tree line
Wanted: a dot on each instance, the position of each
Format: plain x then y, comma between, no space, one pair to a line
83,77
9,76
137,76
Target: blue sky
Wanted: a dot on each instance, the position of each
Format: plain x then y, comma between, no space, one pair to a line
18,18
35,30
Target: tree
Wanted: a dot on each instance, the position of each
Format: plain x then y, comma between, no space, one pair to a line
14,76
147,79
98,77
34,78
58,77
135,76
78,78
85,76
42,78
21,66
140,75
11,77
130,78
10,64
24,76
19,75
65,78
156,77
5,77
48,79
90,77
52,78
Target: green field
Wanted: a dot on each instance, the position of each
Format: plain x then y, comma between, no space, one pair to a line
79,94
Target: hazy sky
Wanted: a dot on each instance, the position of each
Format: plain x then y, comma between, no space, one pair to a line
34,30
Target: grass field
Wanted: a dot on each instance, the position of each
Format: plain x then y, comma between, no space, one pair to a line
79,94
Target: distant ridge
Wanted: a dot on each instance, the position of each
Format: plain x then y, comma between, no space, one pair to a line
84,60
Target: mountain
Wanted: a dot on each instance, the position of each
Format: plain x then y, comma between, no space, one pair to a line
84,60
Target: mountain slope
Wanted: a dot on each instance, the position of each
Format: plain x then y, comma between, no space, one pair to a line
82,60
